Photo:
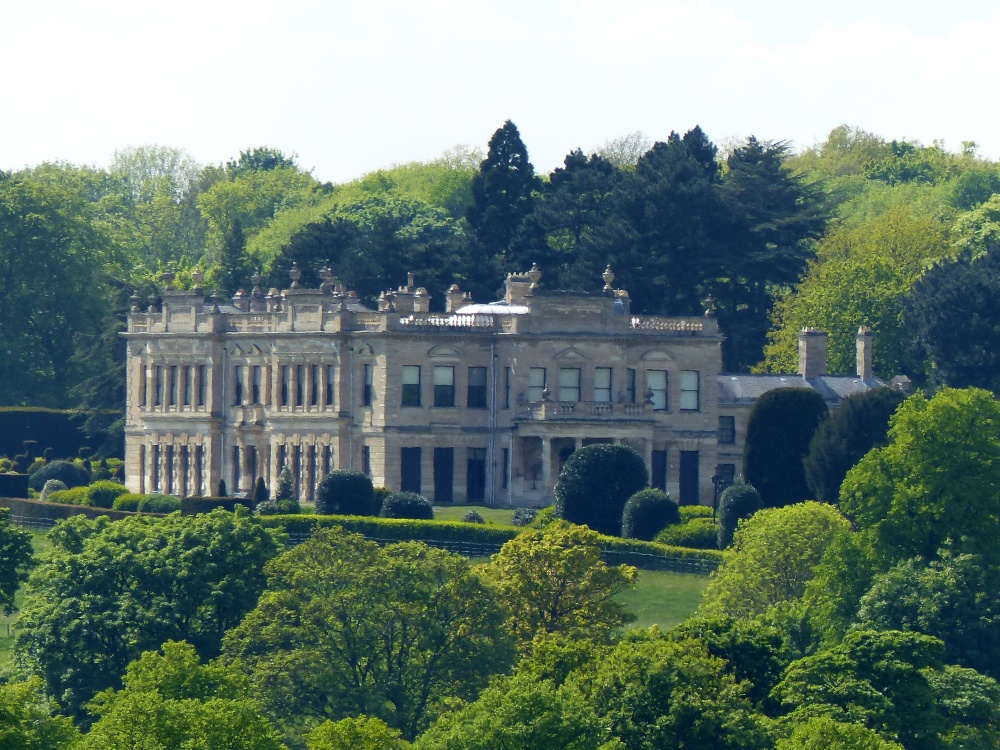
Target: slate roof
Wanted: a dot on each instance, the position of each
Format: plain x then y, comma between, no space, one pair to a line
735,390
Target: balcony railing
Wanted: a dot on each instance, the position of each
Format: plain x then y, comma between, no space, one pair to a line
582,410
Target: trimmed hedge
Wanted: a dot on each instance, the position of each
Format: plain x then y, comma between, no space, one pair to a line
72,496
66,472
192,506
646,513
347,492
695,511
407,505
698,533
102,494
50,428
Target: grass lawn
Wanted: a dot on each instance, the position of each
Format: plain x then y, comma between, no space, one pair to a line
499,516
664,599
40,544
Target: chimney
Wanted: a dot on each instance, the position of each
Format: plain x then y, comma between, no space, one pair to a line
454,298
865,353
812,353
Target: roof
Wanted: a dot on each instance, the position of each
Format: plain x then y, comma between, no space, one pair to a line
746,389
493,308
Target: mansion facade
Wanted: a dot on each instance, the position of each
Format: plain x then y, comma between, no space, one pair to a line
482,403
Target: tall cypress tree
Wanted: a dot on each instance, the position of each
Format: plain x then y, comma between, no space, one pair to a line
234,265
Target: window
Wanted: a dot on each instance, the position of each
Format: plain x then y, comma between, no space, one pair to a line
237,475
475,475
366,389
569,384
142,386
602,384
173,385
727,429
155,466
689,390
444,386
202,385
658,470
409,464
314,385
169,469
186,375
328,458
506,388
536,384
725,475
238,390
300,385
254,469
256,377
284,385
630,385
506,468
158,393
411,385
477,388
366,459
329,386
199,470
656,389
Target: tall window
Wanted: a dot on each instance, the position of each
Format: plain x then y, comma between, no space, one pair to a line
173,385
656,387
284,376
444,386
536,384
256,377
300,385
690,400
366,459
411,385
630,385
506,388
314,385
477,388
329,385
409,469
158,393
202,385
142,386
727,429
237,473
238,390
569,384
602,384
186,375
367,390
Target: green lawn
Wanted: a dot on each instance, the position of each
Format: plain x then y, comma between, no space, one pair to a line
499,516
40,544
664,599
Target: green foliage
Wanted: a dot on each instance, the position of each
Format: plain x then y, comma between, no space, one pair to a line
970,703
395,529
780,426
473,517
28,719
361,733
348,493
860,423
176,577
928,485
739,501
772,557
407,505
66,472
347,627
824,733
128,501
543,517
103,494
15,560
75,496
158,503
285,489
646,513
52,485
689,512
260,493
697,533
554,582
192,506
523,516
595,484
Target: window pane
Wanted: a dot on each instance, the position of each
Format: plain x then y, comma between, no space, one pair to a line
444,386
411,385
689,390
477,388
727,429
569,384
656,387
602,384
536,383
630,385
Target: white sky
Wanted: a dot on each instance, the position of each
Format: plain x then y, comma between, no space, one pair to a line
354,86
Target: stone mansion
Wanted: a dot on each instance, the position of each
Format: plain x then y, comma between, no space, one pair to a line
482,403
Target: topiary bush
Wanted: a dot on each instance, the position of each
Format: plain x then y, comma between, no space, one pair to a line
739,501
72,496
285,487
53,485
523,516
698,533
407,505
543,517
159,504
278,508
346,493
129,501
647,512
381,494
260,492
66,472
103,494
694,511
36,465
473,516
595,484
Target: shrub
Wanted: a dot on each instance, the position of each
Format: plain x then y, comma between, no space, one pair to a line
192,506
159,504
285,488
524,516
544,517
14,485
698,533
347,493
72,496
694,511
102,494
223,491
381,495
129,501
473,516
740,500
65,471
260,492
5,464
53,485
35,465
595,484
407,505
278,508
646,513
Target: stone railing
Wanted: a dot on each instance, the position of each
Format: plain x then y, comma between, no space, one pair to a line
581,410
449,321
660,324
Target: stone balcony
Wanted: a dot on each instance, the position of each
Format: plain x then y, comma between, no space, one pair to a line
603,411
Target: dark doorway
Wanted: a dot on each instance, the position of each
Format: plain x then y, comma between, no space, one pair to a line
689,478
444,475
564,455
475,478
409,464
658,471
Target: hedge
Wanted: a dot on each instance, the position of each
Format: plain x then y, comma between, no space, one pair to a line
57,429
192,506
14,485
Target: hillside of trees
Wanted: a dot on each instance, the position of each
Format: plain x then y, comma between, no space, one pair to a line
854,231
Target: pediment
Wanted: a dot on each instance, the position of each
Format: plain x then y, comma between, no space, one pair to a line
236,351
444,352
657,355
572,354
366,351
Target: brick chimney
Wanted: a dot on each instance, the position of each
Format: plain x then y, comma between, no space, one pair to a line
865,353
812,352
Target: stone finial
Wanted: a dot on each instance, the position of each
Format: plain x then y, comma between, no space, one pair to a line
295,273
196,277
609,278
168,276
134,299
709,303
327,279
409,281
534,275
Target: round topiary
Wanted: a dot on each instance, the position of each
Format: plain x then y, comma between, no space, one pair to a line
129,501
407,505
595,484
739,501
74,496
648,512
698,533
260,492
473,516
159,504
285,487
65,471
103,494
53,485
36,465
347,493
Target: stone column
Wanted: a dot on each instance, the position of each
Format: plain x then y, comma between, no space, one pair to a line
546,463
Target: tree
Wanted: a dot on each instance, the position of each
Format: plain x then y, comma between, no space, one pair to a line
824,733
346,627
595,484
286,484
28,720
349,493
15,560
407,505
361,733
234,264
180,577
954,312
772,558
780,426
929,484
739,502
555,583
860,423
646,513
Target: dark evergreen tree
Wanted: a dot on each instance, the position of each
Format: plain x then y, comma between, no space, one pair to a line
779,429
595,484
235,268
259,159
740,500
646,514
859,424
